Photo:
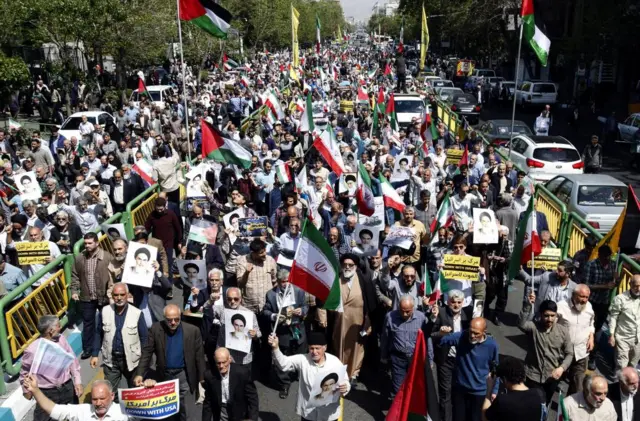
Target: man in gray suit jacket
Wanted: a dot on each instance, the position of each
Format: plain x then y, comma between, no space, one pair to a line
286,303
555,286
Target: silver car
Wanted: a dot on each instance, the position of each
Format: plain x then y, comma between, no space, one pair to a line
599,199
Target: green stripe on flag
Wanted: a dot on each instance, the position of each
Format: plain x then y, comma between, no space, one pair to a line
205,23
334,300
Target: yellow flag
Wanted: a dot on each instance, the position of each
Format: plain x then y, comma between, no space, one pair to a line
612,238
295,22
424,39
293,74
339,36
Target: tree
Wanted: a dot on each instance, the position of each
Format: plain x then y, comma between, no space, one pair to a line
14,75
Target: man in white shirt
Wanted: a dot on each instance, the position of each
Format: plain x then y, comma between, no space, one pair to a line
101,406
577,315
86,129
461,205
592,403
624,395
309,366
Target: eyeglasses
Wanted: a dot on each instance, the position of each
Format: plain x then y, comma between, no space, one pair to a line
348,265
172,319
233,299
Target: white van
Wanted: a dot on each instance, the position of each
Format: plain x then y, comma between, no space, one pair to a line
159,94
536,93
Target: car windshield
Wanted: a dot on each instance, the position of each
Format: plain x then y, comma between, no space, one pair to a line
74,122
516,129
155,96
556,154
416,107
602,196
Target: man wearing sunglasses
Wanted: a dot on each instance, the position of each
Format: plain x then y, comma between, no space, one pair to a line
473,291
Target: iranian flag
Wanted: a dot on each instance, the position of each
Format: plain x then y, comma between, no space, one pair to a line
381,107
227,63
434,293
417,399
245,81
301,180
271,101
527,242
306,120
142,89
364,194
14,125
207,15
283,172
327,145
443,219
538,41
318,41
391,197
216,147
315,268
362,94
145,171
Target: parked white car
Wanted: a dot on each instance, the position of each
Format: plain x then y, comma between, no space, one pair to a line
544,157
159,94
629,127
69,127
536,93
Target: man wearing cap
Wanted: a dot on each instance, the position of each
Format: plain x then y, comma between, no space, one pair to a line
309,366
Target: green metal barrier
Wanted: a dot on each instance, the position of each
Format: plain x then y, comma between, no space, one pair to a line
577,229
627,267
8,365
554,210
127,218
79,245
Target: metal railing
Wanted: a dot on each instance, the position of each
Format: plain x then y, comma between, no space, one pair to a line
22,319
139,209
577,230
104,240
554,210
55,288
627,268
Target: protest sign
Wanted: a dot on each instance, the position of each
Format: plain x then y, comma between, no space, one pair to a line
33,253
325,385
137,265
454,156
548,258
460,267
51,360
399,236
114,231
237,324
252,227
203,231
377,219
153,403
202,202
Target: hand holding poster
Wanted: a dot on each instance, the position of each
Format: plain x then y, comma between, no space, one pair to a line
399,236
138,269
33,253
548,258
464,268
152,403
252,227
454,156
485,228
237,325
325,389
203,231
51,360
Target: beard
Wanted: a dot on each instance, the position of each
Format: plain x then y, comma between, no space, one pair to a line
580,307
348,274
120,258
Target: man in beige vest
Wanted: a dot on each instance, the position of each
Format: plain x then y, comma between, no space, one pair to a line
122,333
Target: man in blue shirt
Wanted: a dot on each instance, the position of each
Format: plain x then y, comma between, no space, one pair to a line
131,113
476,357
236,106
265,181
12,277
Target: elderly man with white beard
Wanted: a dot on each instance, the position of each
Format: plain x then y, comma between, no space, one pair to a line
577,315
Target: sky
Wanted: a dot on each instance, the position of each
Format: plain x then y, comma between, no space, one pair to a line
359,9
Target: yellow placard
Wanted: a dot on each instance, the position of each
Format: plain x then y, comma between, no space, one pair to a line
549,258
454,156
463,268
32,253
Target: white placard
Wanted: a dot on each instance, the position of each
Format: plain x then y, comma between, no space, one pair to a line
399,236
237,324
137,265
485,227
325,388
28,186
193,273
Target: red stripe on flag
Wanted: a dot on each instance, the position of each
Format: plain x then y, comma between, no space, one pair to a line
211,140
327,155
191,9
307,282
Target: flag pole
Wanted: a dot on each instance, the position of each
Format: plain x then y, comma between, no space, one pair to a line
184,83
515,87
275,326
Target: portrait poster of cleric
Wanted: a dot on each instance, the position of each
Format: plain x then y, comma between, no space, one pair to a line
325,388
114,231
138,269
237,324
193,273
28,186
485,228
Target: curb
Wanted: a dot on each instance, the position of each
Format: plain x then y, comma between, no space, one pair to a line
16,407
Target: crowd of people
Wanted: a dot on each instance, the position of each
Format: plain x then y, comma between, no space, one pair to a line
385,289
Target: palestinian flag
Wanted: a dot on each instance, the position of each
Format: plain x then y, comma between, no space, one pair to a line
417,399
381,108
318,41
220,149
391,113
227,63
364,194
327,145
283,172
538,41
142,89
372,73
306,120
391,197
315,268
208,15
387,70
443,219
527,242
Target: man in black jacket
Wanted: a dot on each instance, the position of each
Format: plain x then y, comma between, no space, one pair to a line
449,319
624,395
401,73
124,187
228,394
179,355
